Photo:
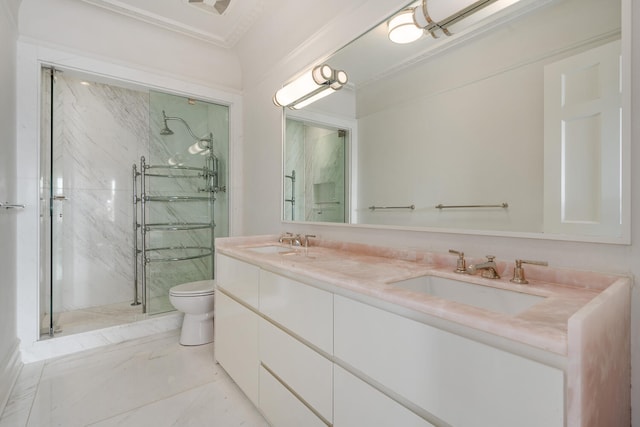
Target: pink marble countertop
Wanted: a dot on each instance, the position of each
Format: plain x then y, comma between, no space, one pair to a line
369,270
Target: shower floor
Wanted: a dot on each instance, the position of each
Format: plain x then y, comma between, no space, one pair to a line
100,317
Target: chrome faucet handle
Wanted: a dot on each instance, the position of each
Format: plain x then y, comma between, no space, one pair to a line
285,236
461,264
518,271
306,239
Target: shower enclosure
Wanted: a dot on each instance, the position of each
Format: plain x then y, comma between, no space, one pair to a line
91,135
175,213
315,166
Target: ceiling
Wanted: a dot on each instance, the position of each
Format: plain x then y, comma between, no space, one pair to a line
200,19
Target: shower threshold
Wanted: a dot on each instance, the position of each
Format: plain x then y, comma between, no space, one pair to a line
95,318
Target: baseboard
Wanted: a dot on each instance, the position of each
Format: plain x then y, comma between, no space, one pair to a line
9,370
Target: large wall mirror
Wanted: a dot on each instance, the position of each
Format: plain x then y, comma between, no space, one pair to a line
514,125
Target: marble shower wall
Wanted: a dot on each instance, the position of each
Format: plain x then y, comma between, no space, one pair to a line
98,133
317,155
325,165
294,161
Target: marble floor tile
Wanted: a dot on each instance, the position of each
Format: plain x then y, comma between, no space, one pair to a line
151,381
219,403
16,412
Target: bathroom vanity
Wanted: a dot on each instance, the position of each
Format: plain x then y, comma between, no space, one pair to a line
350,335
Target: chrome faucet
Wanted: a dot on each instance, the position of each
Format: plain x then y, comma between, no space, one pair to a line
286,237
293,240
489,268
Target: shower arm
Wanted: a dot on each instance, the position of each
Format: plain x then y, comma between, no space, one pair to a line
180,119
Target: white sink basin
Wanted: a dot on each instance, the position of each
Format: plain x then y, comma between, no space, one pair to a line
486,297
271,249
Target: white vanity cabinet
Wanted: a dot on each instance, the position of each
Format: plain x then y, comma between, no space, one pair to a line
274,337
281,407
239,279
296,343
308,357
356,404
302,309
236,326
460,381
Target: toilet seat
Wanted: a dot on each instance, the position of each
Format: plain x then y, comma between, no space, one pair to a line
194,289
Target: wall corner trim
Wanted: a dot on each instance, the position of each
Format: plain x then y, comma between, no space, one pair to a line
10,367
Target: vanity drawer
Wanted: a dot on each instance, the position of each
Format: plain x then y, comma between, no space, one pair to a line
281,408
461,381
236,343
299,367
302,309
358,404
238,278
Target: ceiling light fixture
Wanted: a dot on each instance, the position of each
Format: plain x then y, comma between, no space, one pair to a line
440,16
311,86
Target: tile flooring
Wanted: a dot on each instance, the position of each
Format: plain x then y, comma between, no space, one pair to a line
151,381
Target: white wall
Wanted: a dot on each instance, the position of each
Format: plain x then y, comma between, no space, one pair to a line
8,171
96,32
263,165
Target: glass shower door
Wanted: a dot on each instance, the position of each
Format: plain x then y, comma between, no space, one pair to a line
185,200
93,130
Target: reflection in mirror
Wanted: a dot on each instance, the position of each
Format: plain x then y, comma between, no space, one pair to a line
315,167
520,112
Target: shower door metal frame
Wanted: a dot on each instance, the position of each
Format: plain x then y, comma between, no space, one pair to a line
52,197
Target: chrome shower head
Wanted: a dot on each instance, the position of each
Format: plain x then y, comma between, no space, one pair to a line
165,130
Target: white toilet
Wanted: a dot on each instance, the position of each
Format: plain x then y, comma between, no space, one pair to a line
195,300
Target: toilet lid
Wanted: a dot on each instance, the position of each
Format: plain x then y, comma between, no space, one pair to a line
199,288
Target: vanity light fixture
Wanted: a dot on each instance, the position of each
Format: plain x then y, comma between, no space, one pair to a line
439,16
311,86
403,28
198,147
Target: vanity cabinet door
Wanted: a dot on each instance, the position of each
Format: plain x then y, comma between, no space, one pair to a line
299,367
236,343
302,309
281,408
357,404
460,381
238,278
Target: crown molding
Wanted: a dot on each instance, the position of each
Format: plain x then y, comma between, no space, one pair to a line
226,41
